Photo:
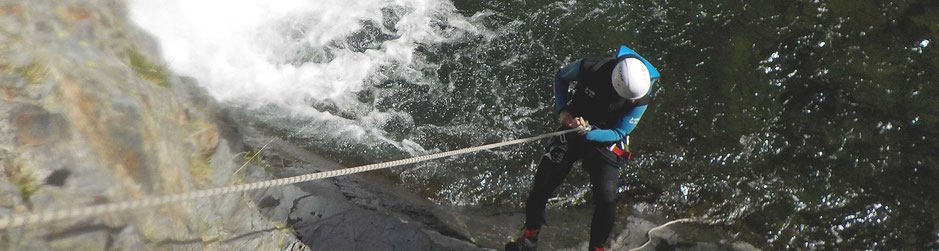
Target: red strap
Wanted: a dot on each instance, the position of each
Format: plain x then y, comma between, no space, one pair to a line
618,151
529,234
623,154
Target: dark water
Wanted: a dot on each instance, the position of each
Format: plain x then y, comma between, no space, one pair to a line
794,124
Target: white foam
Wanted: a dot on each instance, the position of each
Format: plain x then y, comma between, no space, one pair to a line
239,49
293,53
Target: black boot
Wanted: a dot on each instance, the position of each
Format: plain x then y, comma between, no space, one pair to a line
528,242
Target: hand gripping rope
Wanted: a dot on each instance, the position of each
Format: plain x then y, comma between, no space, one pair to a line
11,221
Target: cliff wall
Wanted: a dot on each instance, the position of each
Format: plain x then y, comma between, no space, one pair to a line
89,115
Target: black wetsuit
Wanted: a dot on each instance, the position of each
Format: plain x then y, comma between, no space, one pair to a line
613,119
598,161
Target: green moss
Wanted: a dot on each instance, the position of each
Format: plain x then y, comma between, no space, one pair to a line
251,159
27,189
146,69
259,161
34,73
23,181
199,168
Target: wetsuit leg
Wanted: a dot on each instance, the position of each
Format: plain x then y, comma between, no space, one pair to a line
555,165
603,167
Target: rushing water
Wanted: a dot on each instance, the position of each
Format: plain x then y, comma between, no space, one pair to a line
795,124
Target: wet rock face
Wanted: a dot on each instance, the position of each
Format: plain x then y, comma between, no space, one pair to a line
89,115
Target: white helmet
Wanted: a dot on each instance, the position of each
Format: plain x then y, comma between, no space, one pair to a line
631,79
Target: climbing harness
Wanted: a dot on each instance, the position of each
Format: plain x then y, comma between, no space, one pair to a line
621,149
12,220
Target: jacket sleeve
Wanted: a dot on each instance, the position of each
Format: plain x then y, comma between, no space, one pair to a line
562,81
624,127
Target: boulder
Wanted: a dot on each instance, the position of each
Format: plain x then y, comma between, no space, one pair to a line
89,114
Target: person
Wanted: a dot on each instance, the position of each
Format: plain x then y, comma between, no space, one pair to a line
608,99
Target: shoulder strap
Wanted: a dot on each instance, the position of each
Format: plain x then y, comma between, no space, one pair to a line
593,64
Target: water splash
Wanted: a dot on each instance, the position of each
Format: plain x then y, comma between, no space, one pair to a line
307,59
285,52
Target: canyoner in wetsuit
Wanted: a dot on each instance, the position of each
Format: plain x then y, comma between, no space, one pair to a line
609,97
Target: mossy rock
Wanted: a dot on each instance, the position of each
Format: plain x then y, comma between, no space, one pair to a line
146,69
33,73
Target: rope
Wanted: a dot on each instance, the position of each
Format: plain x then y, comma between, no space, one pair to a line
11,221
652,232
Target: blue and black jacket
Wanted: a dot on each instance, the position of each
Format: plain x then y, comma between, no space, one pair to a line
594,98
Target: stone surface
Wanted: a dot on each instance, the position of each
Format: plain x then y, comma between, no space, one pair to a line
89,115
354,212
